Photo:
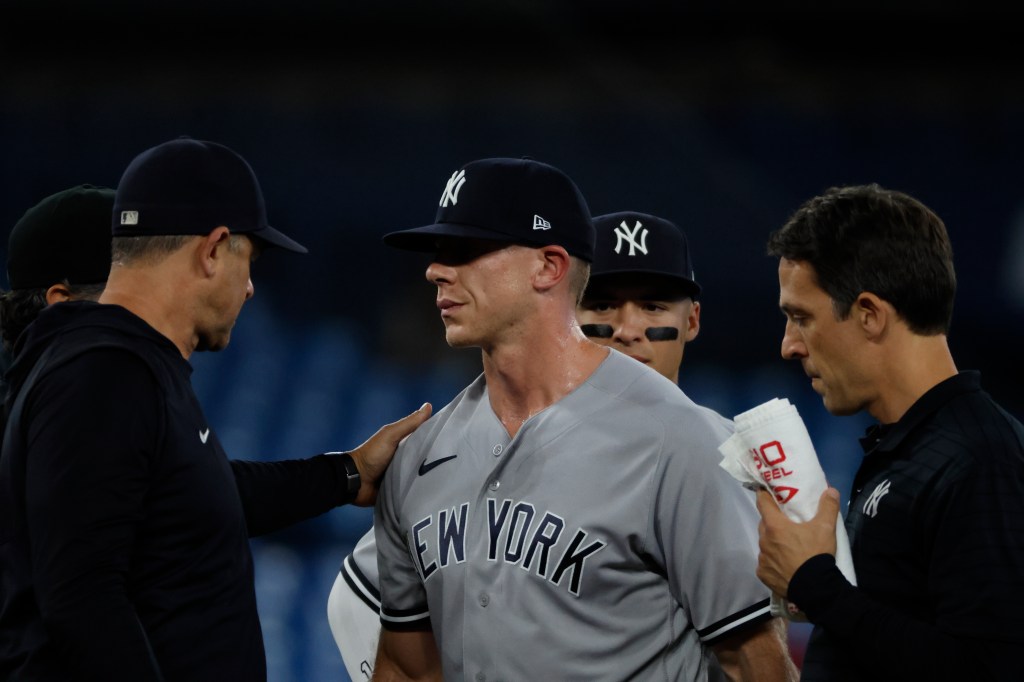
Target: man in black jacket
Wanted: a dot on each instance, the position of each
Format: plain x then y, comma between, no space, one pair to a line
123,525
936,518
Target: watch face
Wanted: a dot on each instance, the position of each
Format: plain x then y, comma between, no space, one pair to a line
352,475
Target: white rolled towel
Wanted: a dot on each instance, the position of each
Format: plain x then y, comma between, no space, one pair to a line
771,449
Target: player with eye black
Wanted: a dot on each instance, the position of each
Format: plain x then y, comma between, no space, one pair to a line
642,296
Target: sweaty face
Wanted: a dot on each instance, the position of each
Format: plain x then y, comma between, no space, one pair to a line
630,306
230,289
482,289
830,350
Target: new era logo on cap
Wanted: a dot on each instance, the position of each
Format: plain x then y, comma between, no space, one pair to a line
129,217
519,201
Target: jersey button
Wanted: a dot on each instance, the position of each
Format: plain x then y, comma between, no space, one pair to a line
496,450
480,677
484,599
494,485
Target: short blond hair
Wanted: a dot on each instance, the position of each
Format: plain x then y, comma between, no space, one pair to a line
579,275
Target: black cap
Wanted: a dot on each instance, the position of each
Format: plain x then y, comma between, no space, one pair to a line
520,201
632,242
189,186
66,236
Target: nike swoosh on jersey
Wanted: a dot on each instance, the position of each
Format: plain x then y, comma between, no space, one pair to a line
427,466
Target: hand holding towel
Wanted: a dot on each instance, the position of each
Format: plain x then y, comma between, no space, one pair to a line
771,449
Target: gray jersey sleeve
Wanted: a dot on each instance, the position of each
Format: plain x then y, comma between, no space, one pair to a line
403,584
705,527
360,570
353,609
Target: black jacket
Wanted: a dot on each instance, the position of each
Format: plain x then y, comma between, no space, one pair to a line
936,527
124,527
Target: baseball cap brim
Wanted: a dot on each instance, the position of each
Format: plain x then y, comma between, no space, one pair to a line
425,238
687,286
273,237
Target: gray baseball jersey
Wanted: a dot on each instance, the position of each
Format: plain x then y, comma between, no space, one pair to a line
602,542
353,609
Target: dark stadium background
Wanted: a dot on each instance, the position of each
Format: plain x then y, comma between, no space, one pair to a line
722,116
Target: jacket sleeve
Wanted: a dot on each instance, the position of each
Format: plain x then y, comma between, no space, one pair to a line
276,495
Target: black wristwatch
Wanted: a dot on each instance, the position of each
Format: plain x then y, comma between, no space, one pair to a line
352,478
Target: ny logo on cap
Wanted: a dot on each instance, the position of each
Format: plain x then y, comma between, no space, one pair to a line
129,217
451,190
622,232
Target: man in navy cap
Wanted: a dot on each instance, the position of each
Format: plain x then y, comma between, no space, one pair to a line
641,300
642,296
565,516
124,527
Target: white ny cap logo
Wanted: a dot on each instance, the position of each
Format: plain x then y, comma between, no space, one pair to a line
451,190
622,232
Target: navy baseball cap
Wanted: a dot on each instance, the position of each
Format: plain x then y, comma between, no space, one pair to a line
519,201
640,243
188,186
66,236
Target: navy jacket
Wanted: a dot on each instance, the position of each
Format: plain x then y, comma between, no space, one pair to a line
124,527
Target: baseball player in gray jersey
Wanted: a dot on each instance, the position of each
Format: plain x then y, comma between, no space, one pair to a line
564,517
641,300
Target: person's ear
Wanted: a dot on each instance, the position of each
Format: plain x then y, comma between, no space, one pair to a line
555,264
873,314
57,293
211,249
692,322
